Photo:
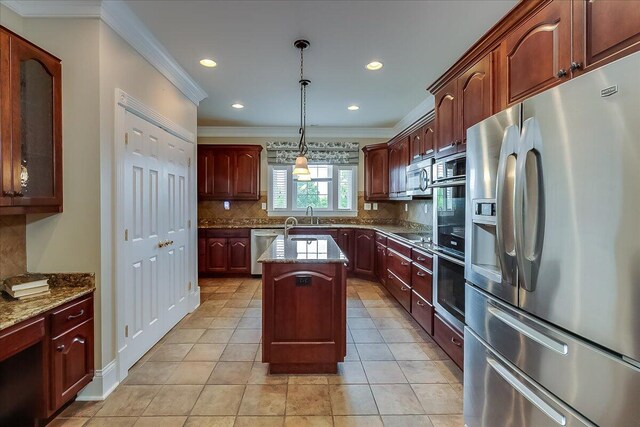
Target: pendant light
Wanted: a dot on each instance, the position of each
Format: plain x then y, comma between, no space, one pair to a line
301,168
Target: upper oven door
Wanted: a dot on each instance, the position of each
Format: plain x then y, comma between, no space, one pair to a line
450,171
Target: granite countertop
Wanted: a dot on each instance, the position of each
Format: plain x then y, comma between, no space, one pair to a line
304,249
63,287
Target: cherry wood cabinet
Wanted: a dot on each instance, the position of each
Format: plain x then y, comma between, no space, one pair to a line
421,142
346,242
537,54
447,120
398,162
603,31
376,172
449,339
229,172
224,251
30,127
381,263
364,252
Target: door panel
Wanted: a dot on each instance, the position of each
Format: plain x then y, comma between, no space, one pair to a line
428,139
377,173
239,255
476,96
446,120
217,255
6,163
223,163
245,185
575,261
364,252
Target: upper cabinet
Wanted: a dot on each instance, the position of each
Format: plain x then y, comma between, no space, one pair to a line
376,172
398,162
30,127
229,172
537,54
604,30
462,103
421,142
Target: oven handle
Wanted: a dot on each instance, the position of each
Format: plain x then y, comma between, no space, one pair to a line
448,258
423,173
441,184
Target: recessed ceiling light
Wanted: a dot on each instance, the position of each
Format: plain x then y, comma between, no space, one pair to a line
374,66
353,108
237,106
208,62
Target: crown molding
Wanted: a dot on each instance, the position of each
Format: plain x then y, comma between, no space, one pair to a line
117,15
292,132
414,115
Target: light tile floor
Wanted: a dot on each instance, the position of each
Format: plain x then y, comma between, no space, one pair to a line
207,372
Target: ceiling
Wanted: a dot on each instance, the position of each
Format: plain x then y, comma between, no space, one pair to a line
252,42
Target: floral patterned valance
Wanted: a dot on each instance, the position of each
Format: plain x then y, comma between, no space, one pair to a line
325,153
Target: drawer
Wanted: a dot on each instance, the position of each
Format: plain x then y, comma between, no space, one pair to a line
399,265
18,337
422,282
228,232
449,339
399,247
423,258
400,290
71,315
422,312
381,238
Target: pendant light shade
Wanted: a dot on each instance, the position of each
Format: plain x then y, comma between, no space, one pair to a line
301,167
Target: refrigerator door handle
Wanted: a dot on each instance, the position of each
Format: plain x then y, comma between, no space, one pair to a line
527,392
529,204
505,216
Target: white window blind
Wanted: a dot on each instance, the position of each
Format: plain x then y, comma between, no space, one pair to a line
279,188
345,189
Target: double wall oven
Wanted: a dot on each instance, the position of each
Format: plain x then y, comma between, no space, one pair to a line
448,184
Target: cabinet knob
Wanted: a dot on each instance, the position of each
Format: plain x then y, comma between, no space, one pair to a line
404,263
420,274
419,303
575,66
456,342
403,289
561,73
60,348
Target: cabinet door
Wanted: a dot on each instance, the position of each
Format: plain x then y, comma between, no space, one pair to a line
446,120
246,182
428,139
402,163
538,53
603,31
364,245
475,97
205,172
72,362
239,255
202,254
223,164
415,146
393,170
36,109
216,255
377,174
346,244
6,167
381,263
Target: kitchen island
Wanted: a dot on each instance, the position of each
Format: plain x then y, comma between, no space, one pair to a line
304,307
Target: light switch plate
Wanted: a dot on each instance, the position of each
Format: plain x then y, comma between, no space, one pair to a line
426,208
367,206
375,206
226,205
264,206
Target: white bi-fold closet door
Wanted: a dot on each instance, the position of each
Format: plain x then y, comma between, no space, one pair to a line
157,251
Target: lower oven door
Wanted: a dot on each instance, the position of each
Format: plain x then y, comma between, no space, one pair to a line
449,289
498,394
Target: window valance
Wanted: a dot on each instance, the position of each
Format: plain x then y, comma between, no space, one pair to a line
326,153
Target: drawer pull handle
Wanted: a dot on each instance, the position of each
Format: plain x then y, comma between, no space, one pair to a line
456,342
419,304
420,258
75,316
403,289
420,274
390,277
60,348
404,263
389,254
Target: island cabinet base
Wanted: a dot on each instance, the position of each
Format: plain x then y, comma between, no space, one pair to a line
304,317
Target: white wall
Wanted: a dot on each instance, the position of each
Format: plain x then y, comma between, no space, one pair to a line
263,159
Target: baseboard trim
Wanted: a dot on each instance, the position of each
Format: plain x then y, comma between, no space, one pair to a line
105,380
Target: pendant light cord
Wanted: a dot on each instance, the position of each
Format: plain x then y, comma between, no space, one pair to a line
302,145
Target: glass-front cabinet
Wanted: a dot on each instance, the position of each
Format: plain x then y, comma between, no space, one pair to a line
30,127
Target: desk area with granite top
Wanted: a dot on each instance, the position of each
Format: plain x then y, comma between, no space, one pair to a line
304,305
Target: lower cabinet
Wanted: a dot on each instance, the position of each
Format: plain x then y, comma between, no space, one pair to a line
72,362
364,252
346,242
381,263
449,339
224,251
422,312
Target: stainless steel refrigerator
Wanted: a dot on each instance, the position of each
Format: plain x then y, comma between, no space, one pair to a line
552,257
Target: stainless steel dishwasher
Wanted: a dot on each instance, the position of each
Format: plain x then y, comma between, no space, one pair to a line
261,238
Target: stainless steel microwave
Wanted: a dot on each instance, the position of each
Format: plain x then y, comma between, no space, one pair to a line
419,178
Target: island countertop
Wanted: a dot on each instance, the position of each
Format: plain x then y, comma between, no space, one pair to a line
301,248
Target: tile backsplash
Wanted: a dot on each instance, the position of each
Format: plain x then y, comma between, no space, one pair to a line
13,245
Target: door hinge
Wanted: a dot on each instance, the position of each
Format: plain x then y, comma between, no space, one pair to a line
189,162
189,285
126,235
126,138
189,223
126,331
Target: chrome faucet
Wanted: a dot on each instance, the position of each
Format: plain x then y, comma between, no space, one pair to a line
307,214
294,222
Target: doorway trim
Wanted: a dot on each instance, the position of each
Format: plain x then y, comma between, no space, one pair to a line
126,103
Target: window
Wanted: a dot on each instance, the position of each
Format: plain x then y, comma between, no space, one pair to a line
331,191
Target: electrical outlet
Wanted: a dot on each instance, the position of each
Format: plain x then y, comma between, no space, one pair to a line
375,206
264,206
406,207
426,208
226,205
367,206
